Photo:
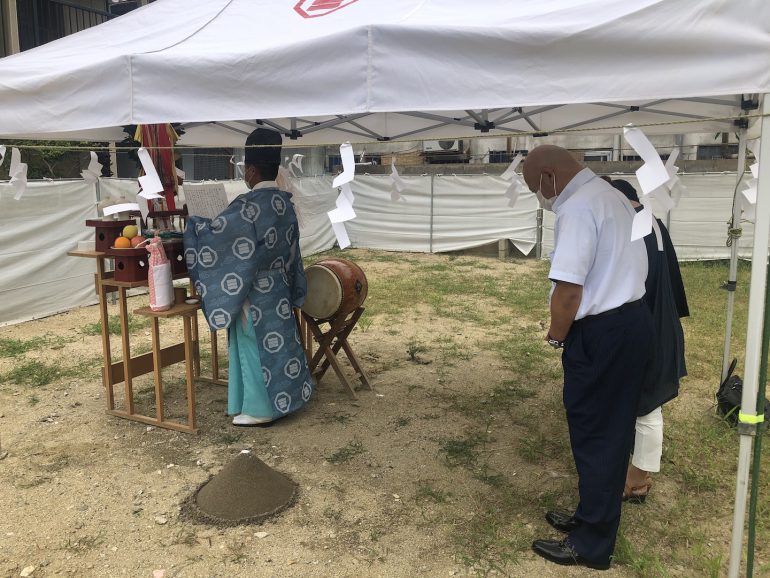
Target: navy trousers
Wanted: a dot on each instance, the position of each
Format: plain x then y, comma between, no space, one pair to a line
604,360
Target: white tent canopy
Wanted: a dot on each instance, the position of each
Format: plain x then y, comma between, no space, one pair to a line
328,71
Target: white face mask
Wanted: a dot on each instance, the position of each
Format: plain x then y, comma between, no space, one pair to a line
546,204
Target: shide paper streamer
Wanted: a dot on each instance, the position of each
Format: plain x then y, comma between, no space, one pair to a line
94,170
344,211
514,190
397,183
18,174
656,180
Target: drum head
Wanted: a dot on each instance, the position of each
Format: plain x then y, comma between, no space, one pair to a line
324,292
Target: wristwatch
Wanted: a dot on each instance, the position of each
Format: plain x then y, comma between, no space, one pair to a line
555,343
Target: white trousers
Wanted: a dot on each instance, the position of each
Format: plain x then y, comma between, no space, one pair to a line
648,445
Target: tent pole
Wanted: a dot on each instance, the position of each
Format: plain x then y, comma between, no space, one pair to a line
430,248
679,142
755,466
733,238
539,242
747,417
113,158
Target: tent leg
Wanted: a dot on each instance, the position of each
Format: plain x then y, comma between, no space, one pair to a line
113,159
733,238
753,340
539,242
430,242
755,466
741,491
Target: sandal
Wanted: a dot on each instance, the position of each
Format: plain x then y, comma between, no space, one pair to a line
637,494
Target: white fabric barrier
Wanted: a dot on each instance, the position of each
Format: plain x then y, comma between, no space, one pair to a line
38,278
698,225
467,211
471,210
313,197
381,223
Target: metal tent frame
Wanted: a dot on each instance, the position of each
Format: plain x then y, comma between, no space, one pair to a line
536,120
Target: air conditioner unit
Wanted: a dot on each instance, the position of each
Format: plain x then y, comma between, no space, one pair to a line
441,146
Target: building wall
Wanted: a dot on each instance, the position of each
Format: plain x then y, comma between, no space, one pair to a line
41,21
4,48
478,149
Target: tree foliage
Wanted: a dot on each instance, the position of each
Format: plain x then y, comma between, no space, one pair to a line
47,159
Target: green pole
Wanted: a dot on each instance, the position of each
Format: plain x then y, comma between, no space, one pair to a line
758,441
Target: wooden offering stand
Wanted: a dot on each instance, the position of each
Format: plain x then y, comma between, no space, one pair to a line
131,265
107,231
174,249
330,341
125,371
161,357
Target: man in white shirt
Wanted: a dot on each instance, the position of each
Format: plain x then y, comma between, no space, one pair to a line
597,317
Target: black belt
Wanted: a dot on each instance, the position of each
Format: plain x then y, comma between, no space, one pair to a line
624,307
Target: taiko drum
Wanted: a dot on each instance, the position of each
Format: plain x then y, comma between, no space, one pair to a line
335,287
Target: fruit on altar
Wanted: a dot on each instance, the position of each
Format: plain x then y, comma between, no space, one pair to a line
130,231
136,240
122,243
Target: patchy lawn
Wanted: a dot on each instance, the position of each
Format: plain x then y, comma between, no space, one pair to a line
445,470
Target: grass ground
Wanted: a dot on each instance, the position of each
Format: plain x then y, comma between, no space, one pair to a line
469,451
699,450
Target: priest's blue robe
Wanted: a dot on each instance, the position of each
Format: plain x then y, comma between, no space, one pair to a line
247,267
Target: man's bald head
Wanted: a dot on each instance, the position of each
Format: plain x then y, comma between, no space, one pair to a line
549,168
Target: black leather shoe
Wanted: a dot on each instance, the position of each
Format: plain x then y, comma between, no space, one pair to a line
560,552
561,521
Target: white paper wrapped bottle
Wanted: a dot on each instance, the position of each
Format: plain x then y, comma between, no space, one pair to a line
159,277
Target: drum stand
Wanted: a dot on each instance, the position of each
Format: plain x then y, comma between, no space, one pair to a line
329,344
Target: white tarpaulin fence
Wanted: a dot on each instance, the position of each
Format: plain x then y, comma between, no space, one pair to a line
440,213
38,279
698,225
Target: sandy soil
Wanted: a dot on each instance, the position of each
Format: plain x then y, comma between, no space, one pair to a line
87,494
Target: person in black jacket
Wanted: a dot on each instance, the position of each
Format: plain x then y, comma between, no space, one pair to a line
667,301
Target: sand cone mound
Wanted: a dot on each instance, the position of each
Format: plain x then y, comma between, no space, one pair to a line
245,491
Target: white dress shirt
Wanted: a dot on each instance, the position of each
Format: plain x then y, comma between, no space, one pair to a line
593,247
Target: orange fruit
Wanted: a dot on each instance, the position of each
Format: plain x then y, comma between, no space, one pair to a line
122,243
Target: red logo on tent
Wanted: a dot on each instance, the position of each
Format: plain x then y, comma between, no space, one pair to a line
316,8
